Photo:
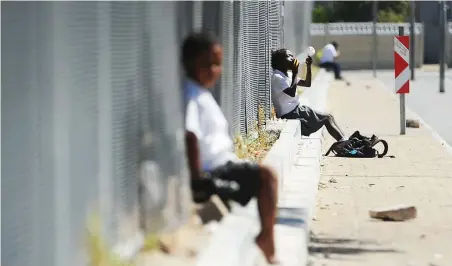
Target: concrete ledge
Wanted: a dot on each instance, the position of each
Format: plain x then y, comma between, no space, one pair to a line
233,241
281,156
299,183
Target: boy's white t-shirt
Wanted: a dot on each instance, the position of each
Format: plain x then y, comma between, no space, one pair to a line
204,118
282,102
328,53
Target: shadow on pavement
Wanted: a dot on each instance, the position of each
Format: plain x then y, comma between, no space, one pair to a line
333,241
294,217
343,246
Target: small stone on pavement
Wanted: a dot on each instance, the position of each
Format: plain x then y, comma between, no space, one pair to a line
395,213
412,123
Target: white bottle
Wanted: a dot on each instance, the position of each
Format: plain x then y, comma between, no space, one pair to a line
310,51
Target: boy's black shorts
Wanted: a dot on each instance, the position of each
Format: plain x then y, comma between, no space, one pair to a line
311,121
238,181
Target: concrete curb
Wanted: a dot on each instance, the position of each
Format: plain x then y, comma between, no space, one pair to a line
282,154
233,241
311,151
299,174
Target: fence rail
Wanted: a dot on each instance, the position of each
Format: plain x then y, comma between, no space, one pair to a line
92,120
365,28
349,32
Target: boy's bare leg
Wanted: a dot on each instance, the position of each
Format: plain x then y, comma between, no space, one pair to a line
334,129
266,201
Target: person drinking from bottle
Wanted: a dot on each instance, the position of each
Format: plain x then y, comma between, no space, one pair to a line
286,101
214,167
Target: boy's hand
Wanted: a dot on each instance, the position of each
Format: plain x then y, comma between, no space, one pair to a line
308,61
296,64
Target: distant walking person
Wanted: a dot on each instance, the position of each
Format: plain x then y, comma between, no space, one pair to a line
328,60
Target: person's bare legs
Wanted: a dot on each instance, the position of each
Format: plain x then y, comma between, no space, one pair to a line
266,203
334,129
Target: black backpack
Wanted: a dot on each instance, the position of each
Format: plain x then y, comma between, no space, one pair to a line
358,146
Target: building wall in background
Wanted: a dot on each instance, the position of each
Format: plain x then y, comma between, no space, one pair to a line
355,43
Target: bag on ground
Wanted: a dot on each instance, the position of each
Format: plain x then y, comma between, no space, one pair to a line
358,146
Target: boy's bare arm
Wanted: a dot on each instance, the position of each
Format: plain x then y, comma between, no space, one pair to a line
193,155
307,81
292,90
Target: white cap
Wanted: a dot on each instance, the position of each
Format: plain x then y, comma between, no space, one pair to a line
310,51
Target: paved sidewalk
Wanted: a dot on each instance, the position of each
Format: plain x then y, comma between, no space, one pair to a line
424,92
420,174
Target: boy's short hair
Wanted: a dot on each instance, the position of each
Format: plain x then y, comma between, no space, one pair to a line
278,58
334,43
196,44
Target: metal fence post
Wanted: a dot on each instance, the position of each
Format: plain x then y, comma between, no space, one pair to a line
442,50
412,40
402,99
374,43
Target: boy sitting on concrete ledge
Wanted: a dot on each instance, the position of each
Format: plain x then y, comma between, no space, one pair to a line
287,102
214,167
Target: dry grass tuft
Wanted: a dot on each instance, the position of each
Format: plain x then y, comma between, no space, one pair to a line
98,250
255,148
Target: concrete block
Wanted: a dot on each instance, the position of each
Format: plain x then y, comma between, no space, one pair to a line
413,123
395,213
212,210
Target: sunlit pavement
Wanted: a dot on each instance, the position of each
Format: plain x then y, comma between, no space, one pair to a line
424,98
419,173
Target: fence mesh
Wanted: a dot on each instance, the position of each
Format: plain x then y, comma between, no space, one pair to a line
92,119
297,20
248,30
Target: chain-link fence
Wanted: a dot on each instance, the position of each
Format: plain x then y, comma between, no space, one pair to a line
249,30
92,119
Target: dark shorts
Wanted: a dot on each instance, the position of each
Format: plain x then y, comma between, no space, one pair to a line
237,181
311,120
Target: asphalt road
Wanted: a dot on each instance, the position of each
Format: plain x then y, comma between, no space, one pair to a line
424,98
